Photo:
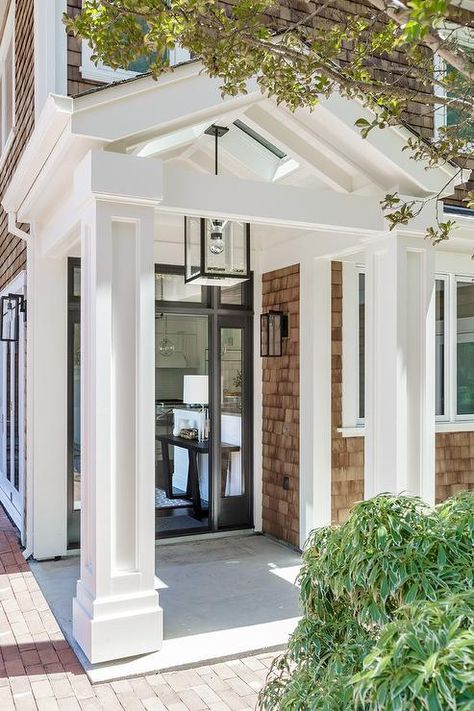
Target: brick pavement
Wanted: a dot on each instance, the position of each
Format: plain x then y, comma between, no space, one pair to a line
40,672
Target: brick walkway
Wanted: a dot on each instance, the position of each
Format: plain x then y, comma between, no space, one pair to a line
39,671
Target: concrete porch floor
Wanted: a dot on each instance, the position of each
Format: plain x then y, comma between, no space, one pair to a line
221,597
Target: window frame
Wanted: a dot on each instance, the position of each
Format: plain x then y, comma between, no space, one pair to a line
106,74
350,346
7,41
440,114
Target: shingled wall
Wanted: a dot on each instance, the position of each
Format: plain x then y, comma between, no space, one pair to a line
280,415
12,249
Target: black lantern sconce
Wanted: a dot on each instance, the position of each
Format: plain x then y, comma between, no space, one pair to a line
216,250
10,308
273,329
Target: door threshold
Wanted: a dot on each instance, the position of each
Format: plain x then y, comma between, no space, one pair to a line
205,536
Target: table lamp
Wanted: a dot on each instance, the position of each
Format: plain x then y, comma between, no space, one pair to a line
196,392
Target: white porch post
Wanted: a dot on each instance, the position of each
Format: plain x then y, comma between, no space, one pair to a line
116,612
400,372
315,395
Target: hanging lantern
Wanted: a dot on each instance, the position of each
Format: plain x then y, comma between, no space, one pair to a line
216,249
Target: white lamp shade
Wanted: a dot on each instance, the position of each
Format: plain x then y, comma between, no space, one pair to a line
196,389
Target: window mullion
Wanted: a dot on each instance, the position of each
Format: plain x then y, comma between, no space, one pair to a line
452,364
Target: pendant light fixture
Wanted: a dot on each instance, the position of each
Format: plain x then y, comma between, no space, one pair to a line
216,250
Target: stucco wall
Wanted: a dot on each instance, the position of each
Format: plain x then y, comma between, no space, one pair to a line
280,414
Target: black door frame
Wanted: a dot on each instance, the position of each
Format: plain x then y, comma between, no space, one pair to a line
219,313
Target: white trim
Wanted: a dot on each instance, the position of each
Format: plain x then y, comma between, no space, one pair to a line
467,426
50,50
7,42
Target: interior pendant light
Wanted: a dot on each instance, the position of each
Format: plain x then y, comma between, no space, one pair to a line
166,346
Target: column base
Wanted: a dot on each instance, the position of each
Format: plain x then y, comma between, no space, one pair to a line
118,627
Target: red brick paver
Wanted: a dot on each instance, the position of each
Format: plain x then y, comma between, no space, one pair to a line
40,672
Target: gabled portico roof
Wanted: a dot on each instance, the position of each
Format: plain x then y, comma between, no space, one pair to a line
166,119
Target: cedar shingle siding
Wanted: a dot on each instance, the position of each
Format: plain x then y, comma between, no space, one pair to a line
12,249
280,416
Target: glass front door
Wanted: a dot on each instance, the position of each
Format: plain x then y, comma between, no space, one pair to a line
12,426
233,495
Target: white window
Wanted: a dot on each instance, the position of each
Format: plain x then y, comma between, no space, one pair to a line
102,72
7,82
353,347
446,115
454,348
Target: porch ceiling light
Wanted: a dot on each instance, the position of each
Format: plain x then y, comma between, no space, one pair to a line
216,250
273,329
10,308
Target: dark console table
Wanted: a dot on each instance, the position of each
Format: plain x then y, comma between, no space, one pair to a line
194,448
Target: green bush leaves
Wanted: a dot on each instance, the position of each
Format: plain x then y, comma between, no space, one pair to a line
388,607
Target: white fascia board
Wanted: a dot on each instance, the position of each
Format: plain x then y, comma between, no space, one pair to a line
268,203
52,123
389,142
145,107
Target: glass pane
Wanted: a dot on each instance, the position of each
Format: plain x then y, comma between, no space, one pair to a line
226,248
16,415
361,346
8,412
172,287
9,92
232,374
465,348
76,281
182,490
440,346
76,416
233,295
192,246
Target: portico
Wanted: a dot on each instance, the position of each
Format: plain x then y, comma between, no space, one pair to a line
108,177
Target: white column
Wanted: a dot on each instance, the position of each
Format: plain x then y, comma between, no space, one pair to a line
315,395
116,612
46,410
400,354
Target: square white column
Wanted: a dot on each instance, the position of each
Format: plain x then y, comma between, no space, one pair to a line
116,611
400,367
315,395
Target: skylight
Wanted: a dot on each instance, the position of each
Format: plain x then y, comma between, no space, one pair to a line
260,139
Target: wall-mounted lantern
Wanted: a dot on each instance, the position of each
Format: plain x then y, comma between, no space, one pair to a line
217,252
10,308
273,329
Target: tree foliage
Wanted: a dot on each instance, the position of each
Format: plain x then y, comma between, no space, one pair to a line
330,47
388,613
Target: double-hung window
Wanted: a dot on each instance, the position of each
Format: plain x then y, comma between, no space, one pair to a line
454,348
7,82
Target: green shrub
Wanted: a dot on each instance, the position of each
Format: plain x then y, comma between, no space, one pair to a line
397,573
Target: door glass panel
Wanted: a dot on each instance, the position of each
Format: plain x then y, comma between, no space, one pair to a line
76,416
232,374
465,348
8,413
233,295
16,416
182,490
